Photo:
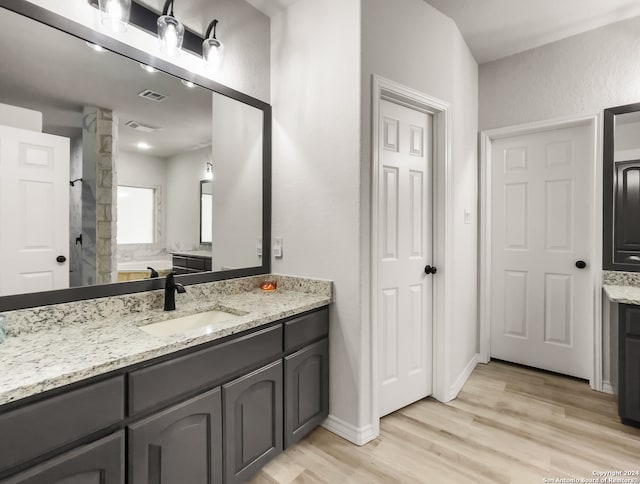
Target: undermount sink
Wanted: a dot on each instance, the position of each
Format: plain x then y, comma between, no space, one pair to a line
205,321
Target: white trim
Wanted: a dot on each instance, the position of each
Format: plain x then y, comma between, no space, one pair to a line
441,111
462,379
358,436
606,387
486,140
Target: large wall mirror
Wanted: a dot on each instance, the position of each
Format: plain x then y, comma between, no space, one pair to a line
622,188
117,168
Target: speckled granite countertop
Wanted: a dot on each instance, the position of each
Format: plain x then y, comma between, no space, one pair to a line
51,357
623,294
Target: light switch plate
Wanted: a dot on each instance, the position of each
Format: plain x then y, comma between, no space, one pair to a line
259,247
277,247
467,216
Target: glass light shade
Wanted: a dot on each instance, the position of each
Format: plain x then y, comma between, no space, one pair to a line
170,34
115,14
212,50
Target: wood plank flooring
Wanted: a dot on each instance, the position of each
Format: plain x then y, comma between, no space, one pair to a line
508,425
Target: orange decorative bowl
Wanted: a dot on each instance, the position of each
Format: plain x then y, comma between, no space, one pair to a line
269,286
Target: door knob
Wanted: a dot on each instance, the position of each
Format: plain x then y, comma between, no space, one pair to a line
430,270
61,259
581,264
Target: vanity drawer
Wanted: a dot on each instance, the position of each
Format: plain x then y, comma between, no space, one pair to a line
196,263
305,329
33,430
154,385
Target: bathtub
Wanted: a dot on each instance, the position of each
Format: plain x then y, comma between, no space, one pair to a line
134,270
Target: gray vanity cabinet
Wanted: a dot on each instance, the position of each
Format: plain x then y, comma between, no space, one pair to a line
253,421
101,462
306,390
629,364
180,444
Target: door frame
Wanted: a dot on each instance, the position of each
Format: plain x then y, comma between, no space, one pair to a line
487,137
385,89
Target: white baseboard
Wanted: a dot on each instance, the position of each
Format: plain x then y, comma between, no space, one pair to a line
462,378
606,387
358,436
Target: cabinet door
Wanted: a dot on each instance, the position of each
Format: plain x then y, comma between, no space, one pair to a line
306,390
182,444
627,212
101,462
253,421
629,363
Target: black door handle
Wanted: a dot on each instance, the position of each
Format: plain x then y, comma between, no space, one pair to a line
430,270
61,259
581,264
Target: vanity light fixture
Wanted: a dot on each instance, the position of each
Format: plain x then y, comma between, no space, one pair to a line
147,68
143,146
189,84
115,14
170,31
96,47
211,47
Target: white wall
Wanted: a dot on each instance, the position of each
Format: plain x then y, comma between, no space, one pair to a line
243,29
315,92
582,74
184,172
237,183
410,42
19,117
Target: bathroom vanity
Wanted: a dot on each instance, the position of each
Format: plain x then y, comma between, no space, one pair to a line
208,405
625,350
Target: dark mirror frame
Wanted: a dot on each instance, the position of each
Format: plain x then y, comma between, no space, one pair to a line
608,179
144,18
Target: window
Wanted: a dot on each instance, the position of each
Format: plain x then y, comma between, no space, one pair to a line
136,215
206,212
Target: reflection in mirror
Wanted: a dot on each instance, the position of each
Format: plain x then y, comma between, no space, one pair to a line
206,212
627,137
134,143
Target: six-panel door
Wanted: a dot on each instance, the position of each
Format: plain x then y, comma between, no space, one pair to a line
100,462
306,390
182,444
253,421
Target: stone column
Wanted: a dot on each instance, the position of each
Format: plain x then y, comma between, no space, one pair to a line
99,200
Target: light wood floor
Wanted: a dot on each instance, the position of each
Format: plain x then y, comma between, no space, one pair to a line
508,425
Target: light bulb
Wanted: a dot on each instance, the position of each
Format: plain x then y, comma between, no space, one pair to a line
115,14
171,34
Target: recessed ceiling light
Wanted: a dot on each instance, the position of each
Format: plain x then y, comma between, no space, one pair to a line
148,68
96,47
143,146
188,83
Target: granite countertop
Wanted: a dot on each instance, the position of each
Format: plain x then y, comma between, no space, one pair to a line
34,362
622,294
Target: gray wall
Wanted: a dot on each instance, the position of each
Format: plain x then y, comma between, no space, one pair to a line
585,73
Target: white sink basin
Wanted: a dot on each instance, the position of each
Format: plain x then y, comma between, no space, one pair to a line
206,321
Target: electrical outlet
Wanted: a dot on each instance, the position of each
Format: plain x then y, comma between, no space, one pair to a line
277,247
467,216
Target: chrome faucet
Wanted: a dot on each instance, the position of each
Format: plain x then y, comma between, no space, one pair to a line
170,288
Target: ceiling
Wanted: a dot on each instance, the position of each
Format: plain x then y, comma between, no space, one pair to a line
498,28
67,75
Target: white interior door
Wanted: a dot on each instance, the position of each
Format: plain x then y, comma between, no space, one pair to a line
34,211
404,300
542,213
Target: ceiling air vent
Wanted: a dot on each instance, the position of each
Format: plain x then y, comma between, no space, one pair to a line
152,95
137,125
